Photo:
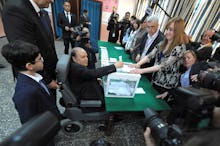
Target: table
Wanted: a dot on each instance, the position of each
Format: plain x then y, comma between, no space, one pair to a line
140,101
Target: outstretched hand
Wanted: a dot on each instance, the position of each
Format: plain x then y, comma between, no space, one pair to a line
134,65
136,71
119,64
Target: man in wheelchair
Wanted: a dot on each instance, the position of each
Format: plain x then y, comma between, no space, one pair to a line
83,81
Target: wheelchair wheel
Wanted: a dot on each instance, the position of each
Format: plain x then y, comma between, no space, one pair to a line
71,127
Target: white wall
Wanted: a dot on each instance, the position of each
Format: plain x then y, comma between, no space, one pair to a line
126,6
123,7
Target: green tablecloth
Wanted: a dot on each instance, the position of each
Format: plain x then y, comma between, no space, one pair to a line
140,101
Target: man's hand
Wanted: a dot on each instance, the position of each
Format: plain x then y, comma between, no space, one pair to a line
147,137
53,85
119,64
67,28
71,29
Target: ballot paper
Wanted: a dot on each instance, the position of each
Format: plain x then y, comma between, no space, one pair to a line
139,91
125,68
119,48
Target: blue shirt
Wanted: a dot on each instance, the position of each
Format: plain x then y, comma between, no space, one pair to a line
185,79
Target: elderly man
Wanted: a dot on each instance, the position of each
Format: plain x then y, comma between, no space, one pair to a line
151,39
83,81
204,47
25,20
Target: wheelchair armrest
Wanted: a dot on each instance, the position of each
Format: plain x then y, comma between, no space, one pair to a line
90,103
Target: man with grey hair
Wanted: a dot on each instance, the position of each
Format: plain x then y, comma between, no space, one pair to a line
151,39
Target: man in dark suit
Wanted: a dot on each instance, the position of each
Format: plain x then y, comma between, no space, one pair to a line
24,20
204,48
151,39
67,21
83,81
31,96
84,19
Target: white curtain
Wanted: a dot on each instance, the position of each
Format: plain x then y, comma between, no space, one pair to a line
202,18
141,8
199,15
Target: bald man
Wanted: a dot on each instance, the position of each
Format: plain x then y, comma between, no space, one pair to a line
84,83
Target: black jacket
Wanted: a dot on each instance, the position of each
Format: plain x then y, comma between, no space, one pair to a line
83,81
62,21
22,22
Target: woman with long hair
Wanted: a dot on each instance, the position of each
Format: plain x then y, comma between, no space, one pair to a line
168,57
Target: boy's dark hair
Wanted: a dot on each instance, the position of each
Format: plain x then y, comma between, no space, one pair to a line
85,11
18,53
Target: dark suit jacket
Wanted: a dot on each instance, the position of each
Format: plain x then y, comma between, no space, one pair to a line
84,20
216,56
31,99
62,21
202,54
83,81
158,39
22,22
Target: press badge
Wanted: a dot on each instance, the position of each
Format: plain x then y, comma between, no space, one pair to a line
113,35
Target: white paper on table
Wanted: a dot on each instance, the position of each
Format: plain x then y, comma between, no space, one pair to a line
125,68
112,60
139,91
119,48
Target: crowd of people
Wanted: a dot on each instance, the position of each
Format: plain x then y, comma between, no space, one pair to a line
169,60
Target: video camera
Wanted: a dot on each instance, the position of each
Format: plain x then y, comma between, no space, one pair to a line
192,107
78,31
39,131
210,79
167,135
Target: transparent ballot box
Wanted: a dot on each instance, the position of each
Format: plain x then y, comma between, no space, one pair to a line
120,84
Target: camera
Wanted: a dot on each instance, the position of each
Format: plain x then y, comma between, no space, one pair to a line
167,135
210,79
38,131
78,31
192,108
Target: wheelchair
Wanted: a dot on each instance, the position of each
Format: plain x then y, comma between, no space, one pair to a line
73,106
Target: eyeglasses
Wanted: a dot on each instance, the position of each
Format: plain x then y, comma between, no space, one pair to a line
41,59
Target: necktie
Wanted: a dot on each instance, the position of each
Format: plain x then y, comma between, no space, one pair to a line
68,17
41,82
44,22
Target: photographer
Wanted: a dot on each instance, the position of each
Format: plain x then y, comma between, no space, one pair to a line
113,27
84,42
125,24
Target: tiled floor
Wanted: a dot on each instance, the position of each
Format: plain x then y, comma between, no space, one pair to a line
127,132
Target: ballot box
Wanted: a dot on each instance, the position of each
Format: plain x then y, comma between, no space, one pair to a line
121,84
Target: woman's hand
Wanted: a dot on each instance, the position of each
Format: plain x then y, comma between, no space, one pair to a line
136,71
134,65
162,96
